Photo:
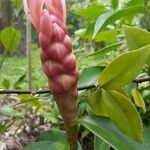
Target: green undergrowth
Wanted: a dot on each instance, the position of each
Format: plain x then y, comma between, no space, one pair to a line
13,73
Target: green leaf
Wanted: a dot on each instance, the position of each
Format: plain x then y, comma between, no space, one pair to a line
109,37
134,2
114,3
91,59
11,112
47,145
136,38
53,135
6,83
10,38
106,130
100,144
89,75
18,4
97,104
122,111
139,101
19,81
124,68
123,91
33,101
147,137
109,18
89,31
92,11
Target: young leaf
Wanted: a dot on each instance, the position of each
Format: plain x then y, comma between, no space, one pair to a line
109,18
104,129
138,99
33,101
10,38
124,68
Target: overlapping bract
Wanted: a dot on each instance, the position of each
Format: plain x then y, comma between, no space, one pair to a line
58,62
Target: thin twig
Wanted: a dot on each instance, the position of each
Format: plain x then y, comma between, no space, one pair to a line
39,91
29,55
138,80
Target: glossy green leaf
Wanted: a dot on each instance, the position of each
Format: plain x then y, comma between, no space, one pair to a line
124,68
109,18
91,59
89,75
100,144
136,38
139,101
92,11
47,145
10,38
106,130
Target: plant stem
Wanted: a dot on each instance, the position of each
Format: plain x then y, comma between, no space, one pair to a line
3,59
67,105
29,56
72,133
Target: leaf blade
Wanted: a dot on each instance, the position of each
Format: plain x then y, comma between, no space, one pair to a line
138,99
108,18
10,38
119,72
105,130
124,115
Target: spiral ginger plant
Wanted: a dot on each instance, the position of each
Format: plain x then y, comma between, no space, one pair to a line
58,61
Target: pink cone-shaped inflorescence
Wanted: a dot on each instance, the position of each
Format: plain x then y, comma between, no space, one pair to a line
58,61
